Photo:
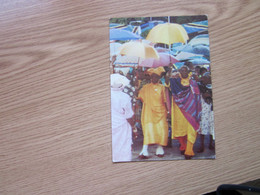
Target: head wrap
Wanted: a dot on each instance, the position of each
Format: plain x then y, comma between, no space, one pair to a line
118,81
157,71
185,66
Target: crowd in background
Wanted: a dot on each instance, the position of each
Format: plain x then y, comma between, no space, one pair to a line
167,103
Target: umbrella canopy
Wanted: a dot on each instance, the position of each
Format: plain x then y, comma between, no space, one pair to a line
200,40
164,60
138,49
126,60
114,48
195,49
118,34
198,60
178,64
185,55
201,49
168,33
196,26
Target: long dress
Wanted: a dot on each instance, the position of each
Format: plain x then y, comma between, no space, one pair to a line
182,130
207,119
121,110
186,110
154,114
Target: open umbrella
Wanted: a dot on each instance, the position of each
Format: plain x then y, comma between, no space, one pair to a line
119,34
164,60
168,33
198,60
201,49
200,40
124,60
114,48
200,26
186,55
138,49
195,49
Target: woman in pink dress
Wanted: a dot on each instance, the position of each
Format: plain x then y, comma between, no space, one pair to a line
122,113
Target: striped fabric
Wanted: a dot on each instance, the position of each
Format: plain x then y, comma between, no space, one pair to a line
188,100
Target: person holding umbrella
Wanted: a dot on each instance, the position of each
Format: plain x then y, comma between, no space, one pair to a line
154,114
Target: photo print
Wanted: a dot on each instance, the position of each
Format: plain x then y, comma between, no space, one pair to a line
161,89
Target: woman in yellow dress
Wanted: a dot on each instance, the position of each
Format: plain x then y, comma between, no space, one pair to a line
154,114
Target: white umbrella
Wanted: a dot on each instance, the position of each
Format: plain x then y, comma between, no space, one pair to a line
185,55
114,48
138,49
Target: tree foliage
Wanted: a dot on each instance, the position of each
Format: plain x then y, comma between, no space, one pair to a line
173,19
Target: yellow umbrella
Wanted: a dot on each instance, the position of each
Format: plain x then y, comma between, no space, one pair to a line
138,49
168,33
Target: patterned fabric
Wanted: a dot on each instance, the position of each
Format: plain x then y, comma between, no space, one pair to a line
207,119
129,90
188,100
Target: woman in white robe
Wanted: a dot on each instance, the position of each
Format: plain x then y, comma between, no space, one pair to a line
121,110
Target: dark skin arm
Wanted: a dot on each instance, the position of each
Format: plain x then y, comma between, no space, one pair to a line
131,121
167,79
168,112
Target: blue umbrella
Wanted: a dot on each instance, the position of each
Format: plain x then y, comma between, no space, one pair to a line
198,49
198,60
122,35
201,49
195,49
196,26
178,65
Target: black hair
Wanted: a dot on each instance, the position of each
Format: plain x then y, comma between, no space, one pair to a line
202,69
197,67
210,100
188,63
166,68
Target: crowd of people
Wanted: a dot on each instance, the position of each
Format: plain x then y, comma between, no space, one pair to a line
163,103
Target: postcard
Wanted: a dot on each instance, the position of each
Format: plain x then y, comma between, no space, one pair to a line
161,89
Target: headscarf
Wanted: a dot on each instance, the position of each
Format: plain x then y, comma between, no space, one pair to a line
118,81
157,71
184,66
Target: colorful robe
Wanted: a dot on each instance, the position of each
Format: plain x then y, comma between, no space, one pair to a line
186,112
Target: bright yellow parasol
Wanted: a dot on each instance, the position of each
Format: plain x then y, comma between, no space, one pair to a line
138,49
168,33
